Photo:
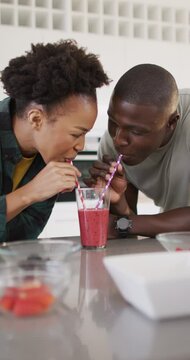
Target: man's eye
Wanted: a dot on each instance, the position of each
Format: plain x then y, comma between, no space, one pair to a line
136,132
112,127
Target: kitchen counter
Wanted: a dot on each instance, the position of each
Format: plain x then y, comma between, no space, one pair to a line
94,321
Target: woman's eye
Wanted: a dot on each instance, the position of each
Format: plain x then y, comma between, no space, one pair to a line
76,135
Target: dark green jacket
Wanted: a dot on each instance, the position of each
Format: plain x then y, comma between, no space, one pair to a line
31,221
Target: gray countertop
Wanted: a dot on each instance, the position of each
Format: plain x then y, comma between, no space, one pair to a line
94,321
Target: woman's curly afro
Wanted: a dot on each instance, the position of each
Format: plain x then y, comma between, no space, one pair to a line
52,72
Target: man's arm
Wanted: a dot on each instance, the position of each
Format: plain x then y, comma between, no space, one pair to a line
125,207
172,220
128,202
150,225
124,202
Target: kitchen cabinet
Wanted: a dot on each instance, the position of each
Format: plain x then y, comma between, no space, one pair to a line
138,19
122,33
63,221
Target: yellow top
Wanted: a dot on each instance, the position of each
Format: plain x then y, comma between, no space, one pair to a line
20,170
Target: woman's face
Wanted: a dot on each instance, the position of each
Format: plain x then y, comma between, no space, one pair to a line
61,134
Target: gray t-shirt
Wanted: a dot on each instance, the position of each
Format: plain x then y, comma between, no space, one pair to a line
165,175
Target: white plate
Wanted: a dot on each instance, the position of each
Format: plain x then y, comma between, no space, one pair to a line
158,284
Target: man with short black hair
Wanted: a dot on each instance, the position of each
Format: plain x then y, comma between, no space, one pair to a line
149,123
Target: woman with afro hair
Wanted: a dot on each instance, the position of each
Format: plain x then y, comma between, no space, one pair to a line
51,105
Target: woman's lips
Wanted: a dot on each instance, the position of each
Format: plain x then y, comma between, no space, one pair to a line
69,160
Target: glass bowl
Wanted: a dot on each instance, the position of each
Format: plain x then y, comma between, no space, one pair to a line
46,249
32,287
175,241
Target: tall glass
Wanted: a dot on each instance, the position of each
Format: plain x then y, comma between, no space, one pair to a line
93,220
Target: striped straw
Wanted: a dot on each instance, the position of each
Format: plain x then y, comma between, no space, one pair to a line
79,190
109,182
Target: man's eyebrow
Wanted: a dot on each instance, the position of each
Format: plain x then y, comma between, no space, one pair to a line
138,127
131,126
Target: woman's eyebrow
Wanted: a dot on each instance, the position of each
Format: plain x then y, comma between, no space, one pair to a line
81,128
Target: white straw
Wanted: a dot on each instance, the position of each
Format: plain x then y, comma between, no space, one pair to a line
109,181
80,191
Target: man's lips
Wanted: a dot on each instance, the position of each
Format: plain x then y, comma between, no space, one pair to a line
125,154
129,158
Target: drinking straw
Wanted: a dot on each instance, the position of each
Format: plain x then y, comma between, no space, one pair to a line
109,181
79,190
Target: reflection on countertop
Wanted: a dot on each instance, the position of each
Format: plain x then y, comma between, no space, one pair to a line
94,322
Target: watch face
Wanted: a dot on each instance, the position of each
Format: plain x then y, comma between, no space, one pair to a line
123,223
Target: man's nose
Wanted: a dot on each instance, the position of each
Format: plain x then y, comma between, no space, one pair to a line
121,137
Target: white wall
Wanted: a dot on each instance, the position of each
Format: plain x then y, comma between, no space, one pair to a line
117,55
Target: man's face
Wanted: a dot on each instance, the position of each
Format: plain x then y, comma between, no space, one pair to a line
137,130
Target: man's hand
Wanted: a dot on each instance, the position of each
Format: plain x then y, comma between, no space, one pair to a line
100,174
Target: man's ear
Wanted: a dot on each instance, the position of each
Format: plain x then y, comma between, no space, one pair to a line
35,118
173,121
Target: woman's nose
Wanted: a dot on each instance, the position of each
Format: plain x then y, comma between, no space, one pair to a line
80,144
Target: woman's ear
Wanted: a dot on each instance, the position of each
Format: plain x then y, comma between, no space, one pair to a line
35,118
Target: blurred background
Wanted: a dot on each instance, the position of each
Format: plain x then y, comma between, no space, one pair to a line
123,33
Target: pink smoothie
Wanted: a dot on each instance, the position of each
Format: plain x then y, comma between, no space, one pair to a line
93,227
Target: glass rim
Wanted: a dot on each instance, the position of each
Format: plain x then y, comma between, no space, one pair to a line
90,188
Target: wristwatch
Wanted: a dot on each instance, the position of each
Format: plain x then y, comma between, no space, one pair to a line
123,224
